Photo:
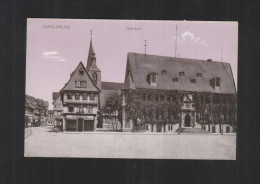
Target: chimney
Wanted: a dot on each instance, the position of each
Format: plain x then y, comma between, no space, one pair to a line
209,60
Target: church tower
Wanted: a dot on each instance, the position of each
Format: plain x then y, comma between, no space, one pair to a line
91,67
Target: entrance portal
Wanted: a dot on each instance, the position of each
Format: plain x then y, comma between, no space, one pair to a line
80,125
187,121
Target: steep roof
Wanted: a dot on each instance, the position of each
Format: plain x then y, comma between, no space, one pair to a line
94,67
90,53
140,65
33,101
57,101
28,102
55,95
111,86
129,84
75,76
108,88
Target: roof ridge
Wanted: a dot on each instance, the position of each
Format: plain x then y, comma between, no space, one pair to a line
191,59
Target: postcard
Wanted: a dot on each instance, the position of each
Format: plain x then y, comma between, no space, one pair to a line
132,89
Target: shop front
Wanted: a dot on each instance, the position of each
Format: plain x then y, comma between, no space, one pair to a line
79,123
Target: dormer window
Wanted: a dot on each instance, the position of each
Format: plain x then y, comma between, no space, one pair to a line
218,82
193,80
164,72
81,72
152,79
199,75
175,79
181,73
215,82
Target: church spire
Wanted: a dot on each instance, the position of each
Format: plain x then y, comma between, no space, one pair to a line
91,52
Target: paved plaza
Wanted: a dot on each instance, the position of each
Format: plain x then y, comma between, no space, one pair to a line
43,142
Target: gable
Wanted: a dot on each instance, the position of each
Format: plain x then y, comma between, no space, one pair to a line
142,64
57,101
77,77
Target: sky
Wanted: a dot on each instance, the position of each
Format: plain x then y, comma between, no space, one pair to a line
56,46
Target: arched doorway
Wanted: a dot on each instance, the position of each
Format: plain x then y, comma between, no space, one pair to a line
187,121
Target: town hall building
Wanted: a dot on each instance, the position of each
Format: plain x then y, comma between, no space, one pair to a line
204,90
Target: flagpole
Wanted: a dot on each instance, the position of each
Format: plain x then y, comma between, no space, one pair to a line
176,42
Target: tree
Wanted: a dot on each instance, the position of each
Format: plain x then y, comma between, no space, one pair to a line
153,106
113,107
215,109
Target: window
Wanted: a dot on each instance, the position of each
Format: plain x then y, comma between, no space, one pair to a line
193,80
77,96
77,84
164,72
217,81
216,99
69,96
153,76
174,98
149,98
95,77
156,98
92,97
161,98
83,84
175,79
85,96
199,75
207,100
181,73
162,114
169,127
157,114
89,110
80,109
224,99
71,109
81,72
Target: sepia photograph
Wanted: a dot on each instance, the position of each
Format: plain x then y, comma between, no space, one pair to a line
132,89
